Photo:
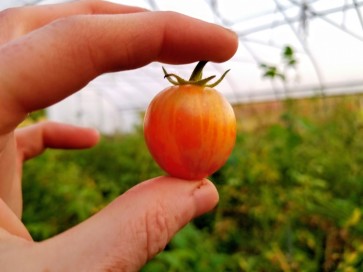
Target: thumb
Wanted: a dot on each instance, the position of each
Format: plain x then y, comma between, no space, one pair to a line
133,228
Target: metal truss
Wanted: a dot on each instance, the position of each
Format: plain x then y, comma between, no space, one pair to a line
299,22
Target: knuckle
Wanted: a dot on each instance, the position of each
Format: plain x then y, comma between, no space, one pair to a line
158,230
10,13
11,23
66,22
80,31
171,15
85,35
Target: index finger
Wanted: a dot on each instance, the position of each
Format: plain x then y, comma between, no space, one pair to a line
53,62
15,22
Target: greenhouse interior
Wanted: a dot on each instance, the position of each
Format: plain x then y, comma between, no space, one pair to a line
290,193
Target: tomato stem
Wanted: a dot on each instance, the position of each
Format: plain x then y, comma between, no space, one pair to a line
196,77
198,71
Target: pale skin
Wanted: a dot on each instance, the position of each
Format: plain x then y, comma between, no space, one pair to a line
46,54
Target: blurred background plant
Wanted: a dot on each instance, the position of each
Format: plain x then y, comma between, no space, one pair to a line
290,193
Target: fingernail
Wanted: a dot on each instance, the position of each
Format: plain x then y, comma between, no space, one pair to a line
233,32
230,30
206,197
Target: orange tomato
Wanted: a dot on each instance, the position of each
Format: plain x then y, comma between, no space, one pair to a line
190,128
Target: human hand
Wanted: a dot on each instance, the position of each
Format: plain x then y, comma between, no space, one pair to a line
50,52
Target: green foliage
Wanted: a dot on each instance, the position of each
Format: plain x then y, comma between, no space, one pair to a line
295,189
288,55
62,188
290,194
274,71
37,115
271,71
179,256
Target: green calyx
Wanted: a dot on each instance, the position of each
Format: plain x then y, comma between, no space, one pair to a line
196,78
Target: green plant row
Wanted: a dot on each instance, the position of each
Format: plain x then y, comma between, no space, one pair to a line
290,194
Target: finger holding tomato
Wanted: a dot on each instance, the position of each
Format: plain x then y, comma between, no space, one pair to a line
190,128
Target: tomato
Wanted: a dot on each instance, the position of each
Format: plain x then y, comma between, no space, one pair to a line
190,128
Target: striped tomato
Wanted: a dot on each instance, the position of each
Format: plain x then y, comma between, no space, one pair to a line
190,128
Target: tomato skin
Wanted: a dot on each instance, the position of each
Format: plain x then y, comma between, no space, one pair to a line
190,131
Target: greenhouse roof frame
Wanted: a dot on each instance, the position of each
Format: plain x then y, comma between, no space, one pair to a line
326,36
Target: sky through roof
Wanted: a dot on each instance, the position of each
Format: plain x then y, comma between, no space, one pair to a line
325,35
